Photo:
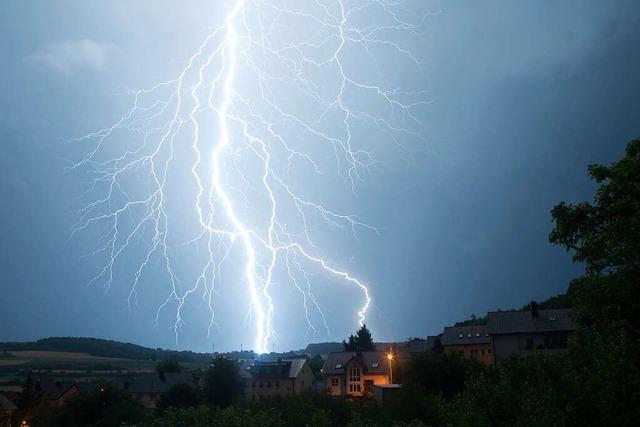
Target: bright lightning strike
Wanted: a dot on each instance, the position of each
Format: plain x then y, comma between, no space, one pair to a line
260,101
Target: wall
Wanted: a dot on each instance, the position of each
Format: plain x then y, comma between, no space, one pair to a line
526,344
480,352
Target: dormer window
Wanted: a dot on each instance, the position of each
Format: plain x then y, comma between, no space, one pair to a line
338,365
468,335
460,335
374,365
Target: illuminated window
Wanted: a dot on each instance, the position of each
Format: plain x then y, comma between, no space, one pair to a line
335,382
338,365
354,379
374,365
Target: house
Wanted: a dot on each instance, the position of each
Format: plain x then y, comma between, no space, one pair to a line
469,342
148,387
281,377
7,411
354,374
521,333
56,393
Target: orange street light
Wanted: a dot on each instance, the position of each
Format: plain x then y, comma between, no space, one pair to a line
390,358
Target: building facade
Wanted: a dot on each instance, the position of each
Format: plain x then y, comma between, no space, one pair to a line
469,342
7,411
282,377
522,333
355,373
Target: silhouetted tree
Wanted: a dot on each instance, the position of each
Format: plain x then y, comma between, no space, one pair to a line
179,396
168,366
604,236
223,384
361,341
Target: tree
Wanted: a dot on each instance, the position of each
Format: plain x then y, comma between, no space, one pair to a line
103,406
604,236
440,373
223,384
179,396
362,341
316,363
168,366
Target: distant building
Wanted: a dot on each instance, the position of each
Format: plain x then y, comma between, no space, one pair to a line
469,342
7,411
56,393
281,377
148,387
522,333
355,373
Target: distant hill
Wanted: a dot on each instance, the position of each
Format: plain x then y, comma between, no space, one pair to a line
104,348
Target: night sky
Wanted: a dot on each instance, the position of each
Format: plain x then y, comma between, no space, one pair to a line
524,95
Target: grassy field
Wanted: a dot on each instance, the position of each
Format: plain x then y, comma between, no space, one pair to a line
63,355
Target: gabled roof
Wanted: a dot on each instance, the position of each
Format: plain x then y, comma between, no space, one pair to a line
281,368
151,382
53,390
517,322
6,404
373,362
462,335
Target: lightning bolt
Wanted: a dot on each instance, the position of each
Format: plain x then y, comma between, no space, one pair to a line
224,117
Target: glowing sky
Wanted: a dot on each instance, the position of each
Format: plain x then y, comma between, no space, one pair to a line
522,98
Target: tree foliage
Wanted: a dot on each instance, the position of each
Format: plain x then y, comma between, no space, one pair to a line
103,406
223,384
168,366
361,341
605,237
179,396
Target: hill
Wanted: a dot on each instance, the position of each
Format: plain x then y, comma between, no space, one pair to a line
104,348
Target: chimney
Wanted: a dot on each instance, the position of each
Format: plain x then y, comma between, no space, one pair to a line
534,309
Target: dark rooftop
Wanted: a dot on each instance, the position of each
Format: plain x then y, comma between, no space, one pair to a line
461,335
151,382
374,362
514,322
281,368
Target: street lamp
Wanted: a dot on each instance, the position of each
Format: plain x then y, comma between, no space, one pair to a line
390,358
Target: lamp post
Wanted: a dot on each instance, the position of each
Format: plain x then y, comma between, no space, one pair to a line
390,358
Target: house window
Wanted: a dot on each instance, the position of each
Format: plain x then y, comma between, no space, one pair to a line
374,365
338,365
335,382
354,379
